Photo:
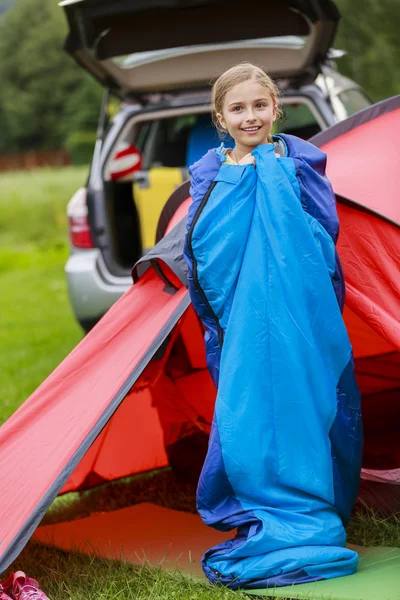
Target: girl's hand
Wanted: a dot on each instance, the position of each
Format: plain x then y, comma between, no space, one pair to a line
248,159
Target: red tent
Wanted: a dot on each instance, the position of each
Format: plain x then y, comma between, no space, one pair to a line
362,165
135,394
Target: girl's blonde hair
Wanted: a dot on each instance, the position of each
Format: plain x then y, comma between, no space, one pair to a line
237,74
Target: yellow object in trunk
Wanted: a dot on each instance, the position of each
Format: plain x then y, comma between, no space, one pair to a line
150,198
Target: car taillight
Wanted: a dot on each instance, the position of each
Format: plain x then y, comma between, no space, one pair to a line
78,222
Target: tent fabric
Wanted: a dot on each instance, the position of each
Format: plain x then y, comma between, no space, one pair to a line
286,371
167,252
365,138
94,418
46,438
368,245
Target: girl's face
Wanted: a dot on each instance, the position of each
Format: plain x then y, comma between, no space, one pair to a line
248,113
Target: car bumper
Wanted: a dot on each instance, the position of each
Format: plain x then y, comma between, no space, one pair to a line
91,289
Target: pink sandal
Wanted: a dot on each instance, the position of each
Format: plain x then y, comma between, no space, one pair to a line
6,588
21,587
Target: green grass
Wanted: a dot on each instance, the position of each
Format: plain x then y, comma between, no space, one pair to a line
82,577
32,206
368,528
38,328
37,332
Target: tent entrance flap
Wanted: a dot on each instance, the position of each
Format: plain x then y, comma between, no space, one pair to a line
172,401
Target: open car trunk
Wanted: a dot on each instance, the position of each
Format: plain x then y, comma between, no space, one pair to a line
137,48
169,141
103,33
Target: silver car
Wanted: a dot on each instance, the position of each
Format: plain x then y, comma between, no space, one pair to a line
164,121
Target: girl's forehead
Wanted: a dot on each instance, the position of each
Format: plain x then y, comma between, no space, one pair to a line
247,91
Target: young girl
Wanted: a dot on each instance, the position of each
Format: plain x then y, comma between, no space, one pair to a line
284,454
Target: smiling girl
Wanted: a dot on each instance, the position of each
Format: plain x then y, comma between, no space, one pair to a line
246,107
284,453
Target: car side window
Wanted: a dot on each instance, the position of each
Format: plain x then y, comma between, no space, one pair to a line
297,119
142,134
353,100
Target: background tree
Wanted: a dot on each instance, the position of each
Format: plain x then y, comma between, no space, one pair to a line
5,4
44,95
369,32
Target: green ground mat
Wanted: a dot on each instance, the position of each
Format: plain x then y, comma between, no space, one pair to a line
150,534
377,578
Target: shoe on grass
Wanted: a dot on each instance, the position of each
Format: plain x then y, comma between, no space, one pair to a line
26,588
6,588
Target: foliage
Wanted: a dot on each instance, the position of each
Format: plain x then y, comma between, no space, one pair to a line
5,4
368,31
44,94
80,145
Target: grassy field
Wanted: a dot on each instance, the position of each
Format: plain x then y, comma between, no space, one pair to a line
38,328
37,332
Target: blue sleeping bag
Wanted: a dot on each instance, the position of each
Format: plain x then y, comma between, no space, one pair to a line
284,455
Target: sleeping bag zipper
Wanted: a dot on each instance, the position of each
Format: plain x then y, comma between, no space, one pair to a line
194,262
